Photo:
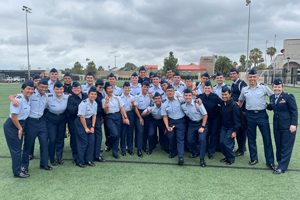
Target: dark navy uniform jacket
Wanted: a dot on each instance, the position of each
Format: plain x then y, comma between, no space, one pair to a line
68,89
145,79
285,111
236,89
73,104
210,103
98,100
230,119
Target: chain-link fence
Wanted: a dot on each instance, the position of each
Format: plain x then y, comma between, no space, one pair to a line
288,80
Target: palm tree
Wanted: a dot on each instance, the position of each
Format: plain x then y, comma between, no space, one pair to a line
271,52
256,56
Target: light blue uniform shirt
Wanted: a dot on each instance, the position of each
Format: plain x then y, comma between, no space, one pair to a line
155,111
87,109
199,89
179,88
142,102
51,87
38,104
172,108
218,90
135,90
22,110
126,101
164,95
255,97
55,106
86,87
154,89
117,91
114,104
191,111
180,82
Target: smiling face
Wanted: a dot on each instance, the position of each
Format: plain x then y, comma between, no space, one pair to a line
226,96
126,89
112,80
92,95
164,86
58,91
42,89
27,91
155,81
134,79
36,82
100,88
142,74
277,89
220,79
188,97
90,79
67,80
207,89
76,90
53,76
109,90
169,74
234,76
157,100
145,89
189,82
252,79
204,79
176,79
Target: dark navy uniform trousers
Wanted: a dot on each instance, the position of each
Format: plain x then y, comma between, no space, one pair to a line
73,144
213,127
14,143
143,131
114,123
98,137
193,135
35,127
226,143
127,132
259,118
176,137
56,126
163,139
85,141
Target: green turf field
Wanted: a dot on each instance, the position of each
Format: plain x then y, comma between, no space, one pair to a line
151,177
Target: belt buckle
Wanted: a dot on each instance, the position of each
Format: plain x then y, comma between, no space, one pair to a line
256,111
198,121
113,113
57,114
38,118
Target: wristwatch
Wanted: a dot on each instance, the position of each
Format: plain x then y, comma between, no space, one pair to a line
93,127
126,117
203,127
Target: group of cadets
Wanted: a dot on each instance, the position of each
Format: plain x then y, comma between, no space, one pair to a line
180,115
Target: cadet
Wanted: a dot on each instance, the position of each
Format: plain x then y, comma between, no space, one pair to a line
112,80
127,130
285,120
112,106
151,74
89,82
230,113
176,83
197,129
53,78
135,86
155,86
72,106
142,102
174,120
67,83
156,121
236,89
85,129
169,75
190,85
56,123
200,87
99,121
13,127
256,115
142,75
164,84
212,103
217,89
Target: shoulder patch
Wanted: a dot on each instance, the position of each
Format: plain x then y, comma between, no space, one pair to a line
262,83
65,93
214,85
138,93
181,84
164,100
288,93
163,93
152,104
84,101
175,90
50,95
131,94
182,103
19,97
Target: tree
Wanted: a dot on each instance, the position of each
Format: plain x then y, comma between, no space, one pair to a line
171,62
192,64
100,68
77,69
91,67
261,66
234,63
271,51
243,63
256,56
240,68
128,67
223,64
66,70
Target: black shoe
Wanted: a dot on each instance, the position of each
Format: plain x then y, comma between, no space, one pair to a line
210,156
149,152
100,159
123,153
54,163
107,148
101,150
45,167
60,161
24,170
80,165
145,150
229,162
202,163
194,156
224,160
180,161
278,171
130,152
172,156
189,150
116,156
253,162
31,156
91,164
272,166
74,161
139,153
21,175
168,151
239,153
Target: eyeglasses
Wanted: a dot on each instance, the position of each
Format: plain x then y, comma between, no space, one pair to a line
101,87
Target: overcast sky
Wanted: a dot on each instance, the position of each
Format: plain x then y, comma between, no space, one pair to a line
62,32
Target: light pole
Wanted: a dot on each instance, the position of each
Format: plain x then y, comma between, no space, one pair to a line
116,61
248,3
288,58
266,53
27,10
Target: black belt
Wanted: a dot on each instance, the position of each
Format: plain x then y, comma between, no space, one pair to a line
56,114
88,118
256,111
113,113
35,118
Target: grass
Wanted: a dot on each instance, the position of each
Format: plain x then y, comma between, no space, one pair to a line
125,180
